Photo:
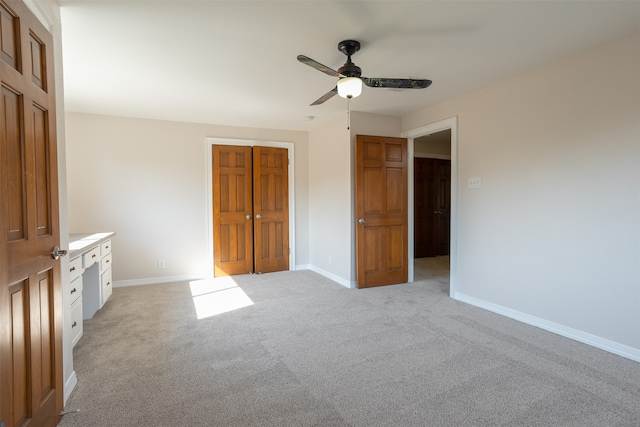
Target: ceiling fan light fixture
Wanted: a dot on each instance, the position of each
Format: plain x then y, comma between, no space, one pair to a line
349,87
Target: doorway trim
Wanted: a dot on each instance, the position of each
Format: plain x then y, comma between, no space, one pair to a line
452,124
289,146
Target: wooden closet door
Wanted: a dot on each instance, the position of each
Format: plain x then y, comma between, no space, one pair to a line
232,210
250,209
271,208
31,379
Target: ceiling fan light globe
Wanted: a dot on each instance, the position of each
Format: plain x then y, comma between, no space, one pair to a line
349,87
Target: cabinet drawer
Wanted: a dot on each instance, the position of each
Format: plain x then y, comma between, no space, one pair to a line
89,258
107,288
75,289
105,262
76,321
75,268
105,248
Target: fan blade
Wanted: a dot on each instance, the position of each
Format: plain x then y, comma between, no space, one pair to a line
396,83
318,66
326,96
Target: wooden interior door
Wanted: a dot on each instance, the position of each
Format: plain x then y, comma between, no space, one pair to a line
271,209
30,291
432,195
381,211
250,209
232,210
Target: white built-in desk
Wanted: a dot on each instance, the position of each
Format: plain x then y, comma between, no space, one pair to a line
90,282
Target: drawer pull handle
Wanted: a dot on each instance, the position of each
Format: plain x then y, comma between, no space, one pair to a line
74,324
108,283
106,261
72,269
73,290
93,256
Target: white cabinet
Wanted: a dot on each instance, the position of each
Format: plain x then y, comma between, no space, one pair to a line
105,272
86,291
90,257
76,310
75,268
90,263
75,299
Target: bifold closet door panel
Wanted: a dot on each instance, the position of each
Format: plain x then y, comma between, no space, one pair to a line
271,209
232,210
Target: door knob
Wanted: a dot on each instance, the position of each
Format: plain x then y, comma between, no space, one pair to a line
248,216
258,216
437,212
57,252
362,221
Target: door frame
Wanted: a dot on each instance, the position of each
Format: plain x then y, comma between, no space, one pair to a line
452,124
289,146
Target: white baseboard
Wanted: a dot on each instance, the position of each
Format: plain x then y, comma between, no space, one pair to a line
331,276
171,279
153,281
69,386
556,328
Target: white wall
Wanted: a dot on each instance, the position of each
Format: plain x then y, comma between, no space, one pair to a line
553,235
146,181
331,192
330,201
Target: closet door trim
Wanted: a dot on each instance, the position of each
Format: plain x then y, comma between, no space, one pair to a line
289,146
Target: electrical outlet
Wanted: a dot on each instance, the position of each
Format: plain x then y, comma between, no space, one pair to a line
160,263
475,182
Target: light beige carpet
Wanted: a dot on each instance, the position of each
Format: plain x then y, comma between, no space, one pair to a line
296,349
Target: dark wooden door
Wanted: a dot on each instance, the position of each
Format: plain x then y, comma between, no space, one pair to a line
30,291
250,209
432,197
271,209
232,210
381,211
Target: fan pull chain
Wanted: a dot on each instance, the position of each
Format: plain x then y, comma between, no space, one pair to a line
348,113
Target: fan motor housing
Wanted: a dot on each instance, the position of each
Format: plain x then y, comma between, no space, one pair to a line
350,69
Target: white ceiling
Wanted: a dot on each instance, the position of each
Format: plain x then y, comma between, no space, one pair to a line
234,62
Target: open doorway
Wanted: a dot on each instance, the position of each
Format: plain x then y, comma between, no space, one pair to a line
432,208
430,141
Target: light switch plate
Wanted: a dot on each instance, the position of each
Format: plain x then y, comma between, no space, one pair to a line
475,182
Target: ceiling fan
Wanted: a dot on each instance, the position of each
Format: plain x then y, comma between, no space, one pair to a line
350,81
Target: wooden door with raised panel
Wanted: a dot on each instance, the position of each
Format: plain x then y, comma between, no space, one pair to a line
250,209
381,211
232,210
432,195
30,292
271,209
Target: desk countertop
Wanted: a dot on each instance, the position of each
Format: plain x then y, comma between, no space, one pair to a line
83,242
